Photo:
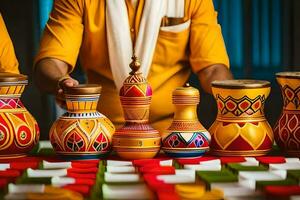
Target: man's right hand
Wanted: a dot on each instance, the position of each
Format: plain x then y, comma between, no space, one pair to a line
62,84
51,76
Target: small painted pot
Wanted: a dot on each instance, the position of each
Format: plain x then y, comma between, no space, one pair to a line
287,128
241,128
82,132
186,137
19,131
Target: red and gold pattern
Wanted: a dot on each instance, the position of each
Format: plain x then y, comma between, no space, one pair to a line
136,139
82,132
19,131
240,106
287,128
241,128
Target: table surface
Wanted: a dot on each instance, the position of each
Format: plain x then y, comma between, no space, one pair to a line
208,177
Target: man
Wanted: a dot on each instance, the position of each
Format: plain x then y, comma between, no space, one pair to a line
170,37
8,60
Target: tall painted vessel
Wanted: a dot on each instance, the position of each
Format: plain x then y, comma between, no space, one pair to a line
287,128
241,128
82,132
19,131
136,139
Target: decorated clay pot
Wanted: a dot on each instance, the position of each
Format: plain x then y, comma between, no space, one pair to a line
241,128
186,137
136,139
287,128
82,132
19,131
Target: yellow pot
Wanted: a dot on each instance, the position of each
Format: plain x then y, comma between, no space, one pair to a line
82,132
287,128
19,131
240,128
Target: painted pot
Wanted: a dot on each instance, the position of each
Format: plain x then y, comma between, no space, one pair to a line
287,128
186,137
82,132
19,131
240,128
136,139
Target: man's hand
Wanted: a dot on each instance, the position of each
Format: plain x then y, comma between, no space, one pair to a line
64,83
51,76
212,73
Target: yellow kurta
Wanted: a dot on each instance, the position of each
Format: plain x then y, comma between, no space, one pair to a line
8,60
77,27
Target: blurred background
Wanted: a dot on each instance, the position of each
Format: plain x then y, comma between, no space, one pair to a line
262,37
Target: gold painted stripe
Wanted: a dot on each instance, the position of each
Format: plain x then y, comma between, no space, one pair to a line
137,149
94,105
88,105
239,153
81,105
12,156
13,110
75,105
134,143
11,90
18,89
241,119
69,105
4,90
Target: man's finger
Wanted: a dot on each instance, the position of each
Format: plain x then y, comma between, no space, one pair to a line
70,82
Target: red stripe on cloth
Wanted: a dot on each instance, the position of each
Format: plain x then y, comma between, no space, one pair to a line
195,160
157,170
86,161
77,175
3,183
157,185
24,165
83,170
237,159
24,159
10,173
85,181
282,191
145,162
271,159
84,165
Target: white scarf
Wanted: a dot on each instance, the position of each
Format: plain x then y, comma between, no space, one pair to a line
118,34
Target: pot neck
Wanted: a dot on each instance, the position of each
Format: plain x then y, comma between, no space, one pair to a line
82,103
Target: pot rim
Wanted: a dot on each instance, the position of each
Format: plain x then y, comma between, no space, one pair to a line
241,84
12,78
288,74
83,89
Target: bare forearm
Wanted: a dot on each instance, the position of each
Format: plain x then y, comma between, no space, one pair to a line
212,73
47,73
